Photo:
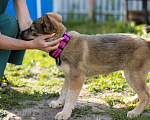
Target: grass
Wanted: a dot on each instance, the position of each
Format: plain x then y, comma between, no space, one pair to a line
114,82
2,113
47,84
86,110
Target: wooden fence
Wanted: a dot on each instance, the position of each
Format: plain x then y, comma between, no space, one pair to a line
137,5
103,10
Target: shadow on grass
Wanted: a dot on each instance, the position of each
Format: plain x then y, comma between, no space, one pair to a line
11,97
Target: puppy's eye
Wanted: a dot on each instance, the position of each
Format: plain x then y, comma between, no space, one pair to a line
43,25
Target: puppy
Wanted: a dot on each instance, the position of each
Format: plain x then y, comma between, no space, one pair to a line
86,56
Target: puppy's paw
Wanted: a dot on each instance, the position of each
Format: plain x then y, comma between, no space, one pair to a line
56,104
63,115
132,114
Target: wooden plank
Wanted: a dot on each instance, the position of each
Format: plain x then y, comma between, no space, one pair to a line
97,7
104,10
115,9
129,5
148,6
65,7
109,4
55,4
121,17
134,5
140,5
90,13
126,19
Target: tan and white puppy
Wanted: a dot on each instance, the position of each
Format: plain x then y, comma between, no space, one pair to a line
90,55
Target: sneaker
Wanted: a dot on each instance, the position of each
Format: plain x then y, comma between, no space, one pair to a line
2,84
3,81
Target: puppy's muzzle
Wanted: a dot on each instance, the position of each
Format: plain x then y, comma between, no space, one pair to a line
22,37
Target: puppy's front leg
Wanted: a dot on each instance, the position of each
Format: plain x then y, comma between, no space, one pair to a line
60,102
72,95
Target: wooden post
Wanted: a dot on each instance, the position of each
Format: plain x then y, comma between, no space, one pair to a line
126,11
145,12
90,14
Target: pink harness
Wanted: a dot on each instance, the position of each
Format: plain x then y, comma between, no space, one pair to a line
56,53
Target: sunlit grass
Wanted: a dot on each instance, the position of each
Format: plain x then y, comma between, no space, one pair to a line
114,82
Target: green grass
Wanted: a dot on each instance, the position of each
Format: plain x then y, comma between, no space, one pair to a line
86,110
2,113
51,78
114,82
120,114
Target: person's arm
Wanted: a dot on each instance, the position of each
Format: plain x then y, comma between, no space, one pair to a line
25,21
39,43
22,14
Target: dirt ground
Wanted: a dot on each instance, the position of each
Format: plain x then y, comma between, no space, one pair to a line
41,111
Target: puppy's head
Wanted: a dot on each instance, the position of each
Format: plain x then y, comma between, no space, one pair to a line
47,24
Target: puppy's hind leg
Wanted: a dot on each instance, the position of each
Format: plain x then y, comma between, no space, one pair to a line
60,102
135,98
136,79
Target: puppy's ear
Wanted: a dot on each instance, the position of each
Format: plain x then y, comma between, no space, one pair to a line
55,16
49,24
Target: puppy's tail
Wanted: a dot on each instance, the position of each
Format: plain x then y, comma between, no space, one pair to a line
146,30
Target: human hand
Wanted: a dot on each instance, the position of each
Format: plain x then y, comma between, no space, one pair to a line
41,44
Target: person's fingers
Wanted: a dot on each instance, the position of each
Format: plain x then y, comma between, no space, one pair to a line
55,46
52,43
47,46
48,49
46,36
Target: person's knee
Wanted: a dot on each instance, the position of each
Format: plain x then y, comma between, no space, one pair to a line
12,22
9,25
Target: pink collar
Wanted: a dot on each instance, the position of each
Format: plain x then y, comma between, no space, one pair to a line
56,53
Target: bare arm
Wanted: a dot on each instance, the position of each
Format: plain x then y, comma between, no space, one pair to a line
22,14
38,43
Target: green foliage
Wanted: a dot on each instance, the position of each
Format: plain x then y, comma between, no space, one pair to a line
104,28
16,82
113,99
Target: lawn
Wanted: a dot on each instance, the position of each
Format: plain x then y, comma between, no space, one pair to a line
39,79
